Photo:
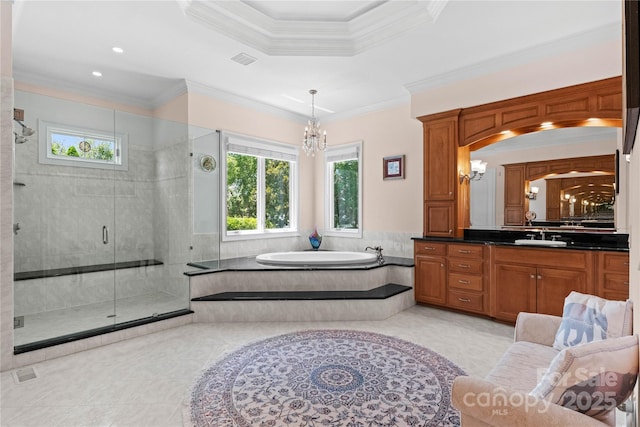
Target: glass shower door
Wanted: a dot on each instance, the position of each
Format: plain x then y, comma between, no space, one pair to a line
64,248
152,212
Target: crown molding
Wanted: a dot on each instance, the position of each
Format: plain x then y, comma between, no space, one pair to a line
83,90
576,41
272,36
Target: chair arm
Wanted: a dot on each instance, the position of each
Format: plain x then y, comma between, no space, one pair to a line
537,328
482,402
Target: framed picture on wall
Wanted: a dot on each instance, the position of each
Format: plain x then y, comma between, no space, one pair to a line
393,167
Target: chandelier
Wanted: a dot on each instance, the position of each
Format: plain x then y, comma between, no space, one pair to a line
314,138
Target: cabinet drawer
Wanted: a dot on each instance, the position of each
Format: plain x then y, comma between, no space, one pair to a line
467,251
615,262
461,265
465,282
616,282
465,300
429,248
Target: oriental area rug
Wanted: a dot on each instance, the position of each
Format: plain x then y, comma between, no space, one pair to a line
326,378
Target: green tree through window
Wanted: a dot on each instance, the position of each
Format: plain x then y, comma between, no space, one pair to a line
261,181
343,184
277,210
242,211
345,194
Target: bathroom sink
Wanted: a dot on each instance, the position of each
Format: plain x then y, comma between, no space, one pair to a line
550,243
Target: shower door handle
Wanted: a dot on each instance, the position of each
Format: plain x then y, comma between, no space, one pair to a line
105,234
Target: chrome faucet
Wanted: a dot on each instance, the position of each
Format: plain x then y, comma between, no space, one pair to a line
378,250
542,233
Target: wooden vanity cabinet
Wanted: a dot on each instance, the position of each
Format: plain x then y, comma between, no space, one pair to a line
536,279
441,183
466,277
451,275
612,275
430,272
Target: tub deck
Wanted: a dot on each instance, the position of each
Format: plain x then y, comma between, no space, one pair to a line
242,290
381,292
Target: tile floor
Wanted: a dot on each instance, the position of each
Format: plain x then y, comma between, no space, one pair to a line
144,381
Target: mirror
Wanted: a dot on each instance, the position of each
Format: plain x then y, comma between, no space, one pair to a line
487,199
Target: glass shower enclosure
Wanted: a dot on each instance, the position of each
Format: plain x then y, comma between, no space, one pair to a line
102,220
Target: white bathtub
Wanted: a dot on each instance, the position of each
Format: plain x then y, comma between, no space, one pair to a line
319,258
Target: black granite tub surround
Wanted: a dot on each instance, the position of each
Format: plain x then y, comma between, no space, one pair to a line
250,264
380,292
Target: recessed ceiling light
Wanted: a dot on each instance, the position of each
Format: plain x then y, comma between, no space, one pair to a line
97,73
117,49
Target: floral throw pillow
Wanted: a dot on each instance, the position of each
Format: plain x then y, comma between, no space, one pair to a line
588,318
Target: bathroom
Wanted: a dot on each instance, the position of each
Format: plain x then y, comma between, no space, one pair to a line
167,130
100,248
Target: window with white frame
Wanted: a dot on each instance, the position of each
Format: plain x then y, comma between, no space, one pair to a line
343,190
67,145
260,185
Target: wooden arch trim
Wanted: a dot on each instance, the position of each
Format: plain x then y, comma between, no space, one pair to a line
450,136
567,107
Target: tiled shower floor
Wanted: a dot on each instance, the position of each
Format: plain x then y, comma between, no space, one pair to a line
56,323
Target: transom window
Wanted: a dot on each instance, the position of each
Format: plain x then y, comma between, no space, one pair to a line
74,146
343,190
260,179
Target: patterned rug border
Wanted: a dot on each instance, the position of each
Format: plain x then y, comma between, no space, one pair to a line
245,350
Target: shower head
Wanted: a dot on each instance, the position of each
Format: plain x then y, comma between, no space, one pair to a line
26,130
20,139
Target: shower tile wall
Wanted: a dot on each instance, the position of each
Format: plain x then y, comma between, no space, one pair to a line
61,211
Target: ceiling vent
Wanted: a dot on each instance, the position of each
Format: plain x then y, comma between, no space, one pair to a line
244,59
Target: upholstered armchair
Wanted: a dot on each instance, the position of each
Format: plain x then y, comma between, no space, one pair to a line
533,379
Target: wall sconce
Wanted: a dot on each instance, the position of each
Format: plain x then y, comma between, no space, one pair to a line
533,193
478,168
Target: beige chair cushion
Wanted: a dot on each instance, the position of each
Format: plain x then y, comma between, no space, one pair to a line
521,366
588,318
592,378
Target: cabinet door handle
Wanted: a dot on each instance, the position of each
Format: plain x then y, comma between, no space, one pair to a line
464,265
464,300
626,283
429,248
464,282
464,251
539,277
532,276
442,265
450,231
105,234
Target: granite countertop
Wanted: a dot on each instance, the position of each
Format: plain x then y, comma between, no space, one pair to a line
250,264
598,241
